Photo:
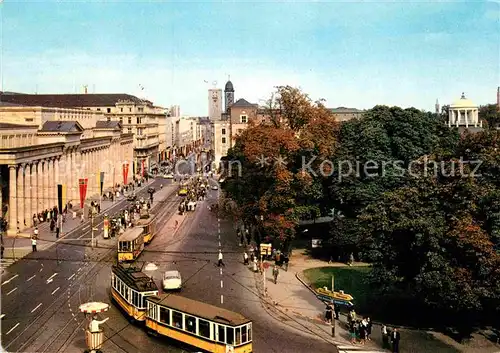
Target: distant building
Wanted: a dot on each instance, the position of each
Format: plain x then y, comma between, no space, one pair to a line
137,116
44,146
345,114
464,114
214,103
175,111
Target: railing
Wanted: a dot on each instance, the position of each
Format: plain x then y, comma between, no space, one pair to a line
9,140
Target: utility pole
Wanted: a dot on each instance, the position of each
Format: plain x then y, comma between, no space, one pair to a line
92,214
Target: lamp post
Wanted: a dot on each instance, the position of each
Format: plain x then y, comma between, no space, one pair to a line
93,211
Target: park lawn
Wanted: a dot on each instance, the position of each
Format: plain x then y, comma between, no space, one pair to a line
352,280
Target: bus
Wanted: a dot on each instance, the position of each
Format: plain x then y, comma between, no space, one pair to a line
149,228
198,324
130,244
129,290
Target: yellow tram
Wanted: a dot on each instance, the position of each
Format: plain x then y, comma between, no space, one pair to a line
130,244
149,228
129,289
198,324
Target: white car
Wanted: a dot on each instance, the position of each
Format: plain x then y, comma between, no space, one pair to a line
168,176
172,280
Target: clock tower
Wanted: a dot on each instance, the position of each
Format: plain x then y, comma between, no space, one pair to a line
228,95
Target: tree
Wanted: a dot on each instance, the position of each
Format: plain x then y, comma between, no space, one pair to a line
491,114
274,183
375,155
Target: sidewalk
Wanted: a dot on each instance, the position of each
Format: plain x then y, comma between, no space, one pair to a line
292,301
20,246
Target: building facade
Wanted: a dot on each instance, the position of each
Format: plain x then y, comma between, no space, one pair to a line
41,147
137,116
214,103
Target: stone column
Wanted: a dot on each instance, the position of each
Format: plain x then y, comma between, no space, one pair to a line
39,191
71,177
50,185
21,200
78,171
29,193
466,117
45,186
34,189
13,199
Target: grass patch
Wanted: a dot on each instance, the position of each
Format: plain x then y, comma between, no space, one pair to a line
352,280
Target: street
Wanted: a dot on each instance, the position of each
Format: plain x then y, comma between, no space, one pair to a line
41,304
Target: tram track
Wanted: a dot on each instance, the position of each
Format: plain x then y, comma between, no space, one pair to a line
39,326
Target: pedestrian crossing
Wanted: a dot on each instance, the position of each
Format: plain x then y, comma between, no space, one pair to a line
356,349
5,263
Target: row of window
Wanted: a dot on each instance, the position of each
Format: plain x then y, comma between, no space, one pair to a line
199,327
131,245
131,296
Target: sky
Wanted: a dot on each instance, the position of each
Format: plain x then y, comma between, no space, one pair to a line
352,54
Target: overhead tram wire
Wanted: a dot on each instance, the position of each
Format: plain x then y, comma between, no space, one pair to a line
168,294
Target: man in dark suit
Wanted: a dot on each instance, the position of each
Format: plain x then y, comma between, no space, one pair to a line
395,338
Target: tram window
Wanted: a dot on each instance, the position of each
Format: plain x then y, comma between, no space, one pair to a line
143,297
249,332
244,338
230,335
238,336
204,328
135,298
190,324
177,319
164,315
222,333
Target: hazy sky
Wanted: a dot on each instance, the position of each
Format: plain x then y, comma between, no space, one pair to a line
354,54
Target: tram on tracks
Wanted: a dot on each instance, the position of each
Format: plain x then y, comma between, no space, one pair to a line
149,228
130,244
198,324
129,290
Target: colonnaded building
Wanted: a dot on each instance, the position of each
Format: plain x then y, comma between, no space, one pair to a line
46,140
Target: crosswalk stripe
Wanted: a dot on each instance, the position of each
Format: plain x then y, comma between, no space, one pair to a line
354,349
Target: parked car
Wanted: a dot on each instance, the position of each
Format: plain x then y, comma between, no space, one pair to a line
172,280
168,176
215,187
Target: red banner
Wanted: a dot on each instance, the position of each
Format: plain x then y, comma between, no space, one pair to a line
143,169
125,173
83,191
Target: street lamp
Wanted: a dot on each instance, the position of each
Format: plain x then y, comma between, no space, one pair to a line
93,212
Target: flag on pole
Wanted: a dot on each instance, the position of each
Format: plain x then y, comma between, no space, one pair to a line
125,173
101,180
83,191
61,197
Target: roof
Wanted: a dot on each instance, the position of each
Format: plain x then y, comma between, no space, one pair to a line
104,124
200,309
130,234
69,100
463,103
341,110
6,104
15,126
144,222
135,278
243,103
61,126
229,87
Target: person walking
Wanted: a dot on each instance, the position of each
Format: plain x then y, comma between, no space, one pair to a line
220,262
395,338
385,337
336,308
245,258
33,243
2,249
276,272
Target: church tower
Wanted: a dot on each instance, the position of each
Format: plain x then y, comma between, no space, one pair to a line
437,107
228,95
498,98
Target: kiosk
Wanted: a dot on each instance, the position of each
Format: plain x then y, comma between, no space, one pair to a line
94,336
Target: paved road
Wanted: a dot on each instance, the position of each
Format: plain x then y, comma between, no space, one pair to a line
44,289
